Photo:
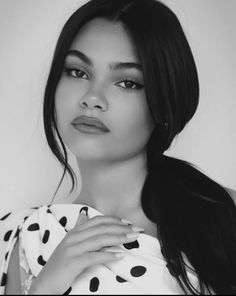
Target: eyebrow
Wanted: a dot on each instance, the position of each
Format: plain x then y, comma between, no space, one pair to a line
113,66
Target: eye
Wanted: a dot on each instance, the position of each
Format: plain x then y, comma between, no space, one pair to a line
130,84
76,73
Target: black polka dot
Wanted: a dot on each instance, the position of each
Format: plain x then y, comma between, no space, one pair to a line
46,236
120,279
33,227
26,218
63,221
7,235
34,208
41,261
94,284
6,256
67,292
49,211
4,279
5,217
131,245
85,209
138,270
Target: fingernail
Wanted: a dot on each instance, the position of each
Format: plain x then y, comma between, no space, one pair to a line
132,235
137,229
84,211
126,221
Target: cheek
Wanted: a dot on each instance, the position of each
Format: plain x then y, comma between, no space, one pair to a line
66,102
135,124
64,105
65,96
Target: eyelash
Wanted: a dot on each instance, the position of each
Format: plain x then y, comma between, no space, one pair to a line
125,79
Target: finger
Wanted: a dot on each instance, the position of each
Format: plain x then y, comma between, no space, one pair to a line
98,242
94,258
101,229
100,219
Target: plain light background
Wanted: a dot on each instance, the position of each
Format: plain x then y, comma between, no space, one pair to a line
29,29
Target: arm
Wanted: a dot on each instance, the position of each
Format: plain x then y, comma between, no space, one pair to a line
13,286
18,280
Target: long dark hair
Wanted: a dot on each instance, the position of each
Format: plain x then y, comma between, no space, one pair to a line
195,216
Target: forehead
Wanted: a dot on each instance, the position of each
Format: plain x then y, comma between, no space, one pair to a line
107,39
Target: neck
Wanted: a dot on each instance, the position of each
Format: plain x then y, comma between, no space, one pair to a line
113,188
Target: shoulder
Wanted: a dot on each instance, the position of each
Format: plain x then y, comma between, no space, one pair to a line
10,224
13,218
232,193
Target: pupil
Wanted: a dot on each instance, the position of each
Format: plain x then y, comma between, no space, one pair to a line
79,73
129,84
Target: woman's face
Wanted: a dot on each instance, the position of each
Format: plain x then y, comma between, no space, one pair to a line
103,79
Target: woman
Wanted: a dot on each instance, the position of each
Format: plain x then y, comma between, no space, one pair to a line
122,84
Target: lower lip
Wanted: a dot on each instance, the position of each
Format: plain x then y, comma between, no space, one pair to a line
88,129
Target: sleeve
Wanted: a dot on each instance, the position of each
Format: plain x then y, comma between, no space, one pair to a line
26,275
10,226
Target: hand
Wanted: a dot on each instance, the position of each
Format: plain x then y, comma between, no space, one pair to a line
81,248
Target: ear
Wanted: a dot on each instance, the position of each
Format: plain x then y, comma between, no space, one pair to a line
232,193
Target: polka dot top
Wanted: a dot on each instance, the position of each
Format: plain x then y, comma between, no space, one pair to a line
142,271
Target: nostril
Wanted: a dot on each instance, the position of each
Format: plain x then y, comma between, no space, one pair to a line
84,104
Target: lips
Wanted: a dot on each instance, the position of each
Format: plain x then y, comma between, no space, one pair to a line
90,122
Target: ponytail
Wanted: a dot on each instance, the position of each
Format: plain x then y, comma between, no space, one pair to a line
196,218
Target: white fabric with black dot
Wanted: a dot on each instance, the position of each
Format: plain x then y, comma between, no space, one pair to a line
142,271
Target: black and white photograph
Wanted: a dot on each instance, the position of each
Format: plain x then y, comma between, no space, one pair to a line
118,147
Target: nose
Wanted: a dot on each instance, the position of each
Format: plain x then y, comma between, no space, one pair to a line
94,100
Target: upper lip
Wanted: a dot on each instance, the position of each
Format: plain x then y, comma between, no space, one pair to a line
92,121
